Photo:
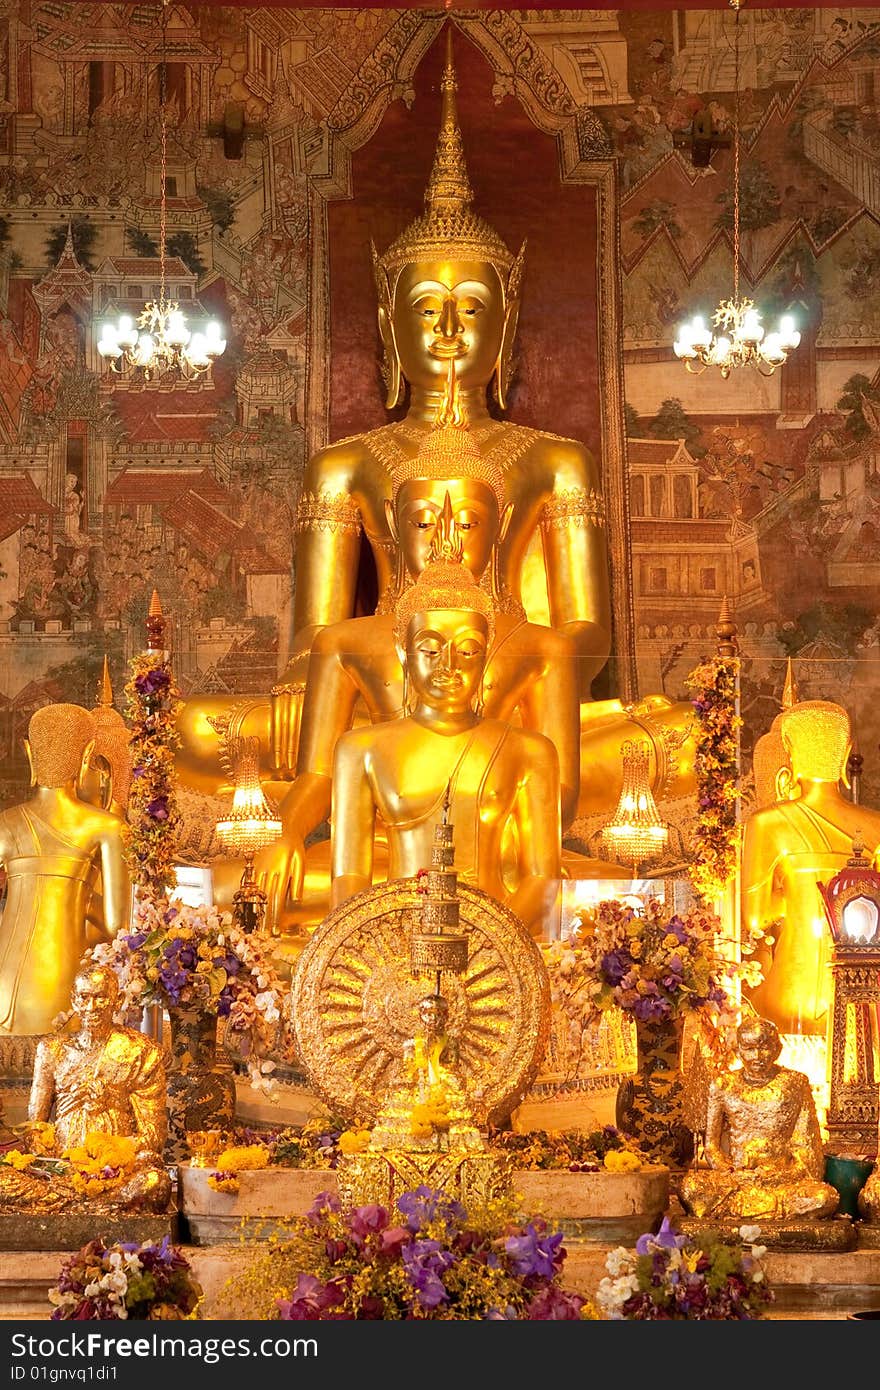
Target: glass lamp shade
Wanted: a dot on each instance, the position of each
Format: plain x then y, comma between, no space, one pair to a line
851,899
252,822
635,833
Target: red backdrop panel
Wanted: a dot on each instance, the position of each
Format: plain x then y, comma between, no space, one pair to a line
514,171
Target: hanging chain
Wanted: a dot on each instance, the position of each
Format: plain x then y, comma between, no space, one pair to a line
163,165
736,7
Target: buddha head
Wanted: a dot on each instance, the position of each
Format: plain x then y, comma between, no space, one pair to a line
109,774
94,998
447,501
816,735
59,744
448,286
758,1045
443,628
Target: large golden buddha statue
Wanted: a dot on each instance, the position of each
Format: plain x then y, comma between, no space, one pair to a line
50,846
503,781
101,1080
763,1145
790,846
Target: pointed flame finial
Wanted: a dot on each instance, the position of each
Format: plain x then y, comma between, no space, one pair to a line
725,630
447,802
105,686
790,694
449,189
155,624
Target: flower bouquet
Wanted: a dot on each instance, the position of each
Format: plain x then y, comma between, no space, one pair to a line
318,1144
571,1150
429,1259
149,1281
96,1169
670,1276
197,958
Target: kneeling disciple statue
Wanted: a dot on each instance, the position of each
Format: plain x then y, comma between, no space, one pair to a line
763,1145
103,1080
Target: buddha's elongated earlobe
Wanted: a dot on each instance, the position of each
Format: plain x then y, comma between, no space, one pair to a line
504,365
391,373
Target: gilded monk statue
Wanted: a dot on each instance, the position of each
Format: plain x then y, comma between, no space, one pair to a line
503,781
103,1079
50,847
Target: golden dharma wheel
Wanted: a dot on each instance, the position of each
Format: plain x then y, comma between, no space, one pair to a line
353,1001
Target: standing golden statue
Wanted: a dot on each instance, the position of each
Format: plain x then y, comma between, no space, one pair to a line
102,1080
763,1145
787,848
49,846
504,780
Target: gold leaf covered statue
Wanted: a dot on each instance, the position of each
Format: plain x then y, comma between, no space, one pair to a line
763,1146
787,849
103,1080
53,847
426,1109
504,780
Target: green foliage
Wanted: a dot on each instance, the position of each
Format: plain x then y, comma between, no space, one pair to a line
184,245
844,624
856,390
673,422
219,205
632,421
760,203
141,243
84,235
79,677
658,214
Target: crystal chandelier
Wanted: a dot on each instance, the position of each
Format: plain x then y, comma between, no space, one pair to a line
635,834
160,342
251,824
738,338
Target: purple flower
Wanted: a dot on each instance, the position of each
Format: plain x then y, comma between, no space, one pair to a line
325,1204
155,682
368,1220
507,1314
425,1205
667,1238
535,1254
614,965
676,927
135,940
648,1008
424,1262
309,1299
553,1304
158,808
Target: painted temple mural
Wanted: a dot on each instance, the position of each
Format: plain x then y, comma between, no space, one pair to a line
763,489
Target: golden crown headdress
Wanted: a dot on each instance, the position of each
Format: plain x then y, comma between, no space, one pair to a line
449,221
442,584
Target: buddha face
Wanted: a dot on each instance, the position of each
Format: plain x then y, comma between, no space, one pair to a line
758,1046
445,657
423,519
93,1001
448,310
433,1013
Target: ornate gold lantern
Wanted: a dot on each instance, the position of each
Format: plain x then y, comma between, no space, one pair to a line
852,905
252,823
635,834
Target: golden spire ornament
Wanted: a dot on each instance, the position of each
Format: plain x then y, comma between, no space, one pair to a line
789,690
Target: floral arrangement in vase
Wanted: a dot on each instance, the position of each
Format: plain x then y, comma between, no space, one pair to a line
429,1259
671,1276
101,1282
196,958
571,1150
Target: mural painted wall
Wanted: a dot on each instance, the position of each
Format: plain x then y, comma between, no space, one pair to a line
766,489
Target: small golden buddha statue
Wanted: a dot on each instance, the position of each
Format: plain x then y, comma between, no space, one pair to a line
52,846
504,780
763,1146
108,775
103,1079
426,1108
789,847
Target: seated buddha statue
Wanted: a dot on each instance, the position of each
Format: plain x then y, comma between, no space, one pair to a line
53,847
787,848
449,291
426,1108
503,780
763,1147
103,1079
447,504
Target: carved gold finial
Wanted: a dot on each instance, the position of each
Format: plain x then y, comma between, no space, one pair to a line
448,226
105,687
725,630
155,624
789,690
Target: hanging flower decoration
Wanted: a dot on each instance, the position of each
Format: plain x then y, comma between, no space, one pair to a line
713,860
152,805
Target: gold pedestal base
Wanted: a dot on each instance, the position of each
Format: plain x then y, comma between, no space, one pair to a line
470,1178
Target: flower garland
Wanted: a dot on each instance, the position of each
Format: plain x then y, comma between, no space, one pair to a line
153,816
126,1280
571,1150
94,1168
716,766
187,957
670,1276
429,1259
318,1144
